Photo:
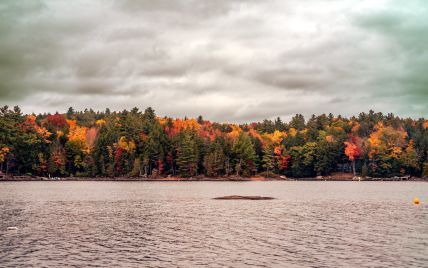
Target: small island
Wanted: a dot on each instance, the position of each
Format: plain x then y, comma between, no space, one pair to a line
243,197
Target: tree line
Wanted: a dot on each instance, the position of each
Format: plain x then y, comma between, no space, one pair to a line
136,143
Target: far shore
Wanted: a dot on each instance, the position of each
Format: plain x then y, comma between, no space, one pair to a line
204,178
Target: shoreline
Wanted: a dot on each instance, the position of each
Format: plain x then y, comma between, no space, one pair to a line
203,178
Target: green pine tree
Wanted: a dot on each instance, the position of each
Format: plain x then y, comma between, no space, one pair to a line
214,160
245,155
268,159
187,159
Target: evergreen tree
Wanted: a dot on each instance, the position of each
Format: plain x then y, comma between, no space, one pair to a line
129,143
187,159
70,113
326,155
268,159
245,155
214,160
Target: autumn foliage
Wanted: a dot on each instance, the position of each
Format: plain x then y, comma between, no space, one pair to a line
352,150
135,143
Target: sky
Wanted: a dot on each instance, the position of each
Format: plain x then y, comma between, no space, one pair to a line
227,60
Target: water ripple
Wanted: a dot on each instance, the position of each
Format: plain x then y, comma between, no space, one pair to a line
110,224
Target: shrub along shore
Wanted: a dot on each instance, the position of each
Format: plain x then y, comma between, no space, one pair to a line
203,178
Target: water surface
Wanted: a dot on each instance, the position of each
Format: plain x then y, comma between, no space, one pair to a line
178,224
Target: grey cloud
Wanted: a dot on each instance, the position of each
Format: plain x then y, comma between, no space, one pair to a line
404,27
286,78
31,47
185,7
129,34
227,60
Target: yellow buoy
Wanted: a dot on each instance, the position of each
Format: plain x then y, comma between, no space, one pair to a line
416,201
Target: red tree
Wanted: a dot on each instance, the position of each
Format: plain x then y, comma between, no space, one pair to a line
56,120
352,151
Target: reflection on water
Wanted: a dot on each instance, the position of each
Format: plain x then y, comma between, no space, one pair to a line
170,224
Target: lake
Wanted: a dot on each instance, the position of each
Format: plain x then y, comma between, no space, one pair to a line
178,224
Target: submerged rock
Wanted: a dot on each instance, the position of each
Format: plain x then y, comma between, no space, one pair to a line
243,197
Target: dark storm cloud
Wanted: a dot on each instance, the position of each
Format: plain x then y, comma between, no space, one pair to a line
227,60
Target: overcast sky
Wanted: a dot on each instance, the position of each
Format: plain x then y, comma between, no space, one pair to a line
229,60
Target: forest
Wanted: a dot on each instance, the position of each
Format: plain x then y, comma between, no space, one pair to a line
138,143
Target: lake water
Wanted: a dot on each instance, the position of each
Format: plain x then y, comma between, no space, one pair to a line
177,224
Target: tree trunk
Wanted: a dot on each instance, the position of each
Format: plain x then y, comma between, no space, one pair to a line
173,170
353,168
238,170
